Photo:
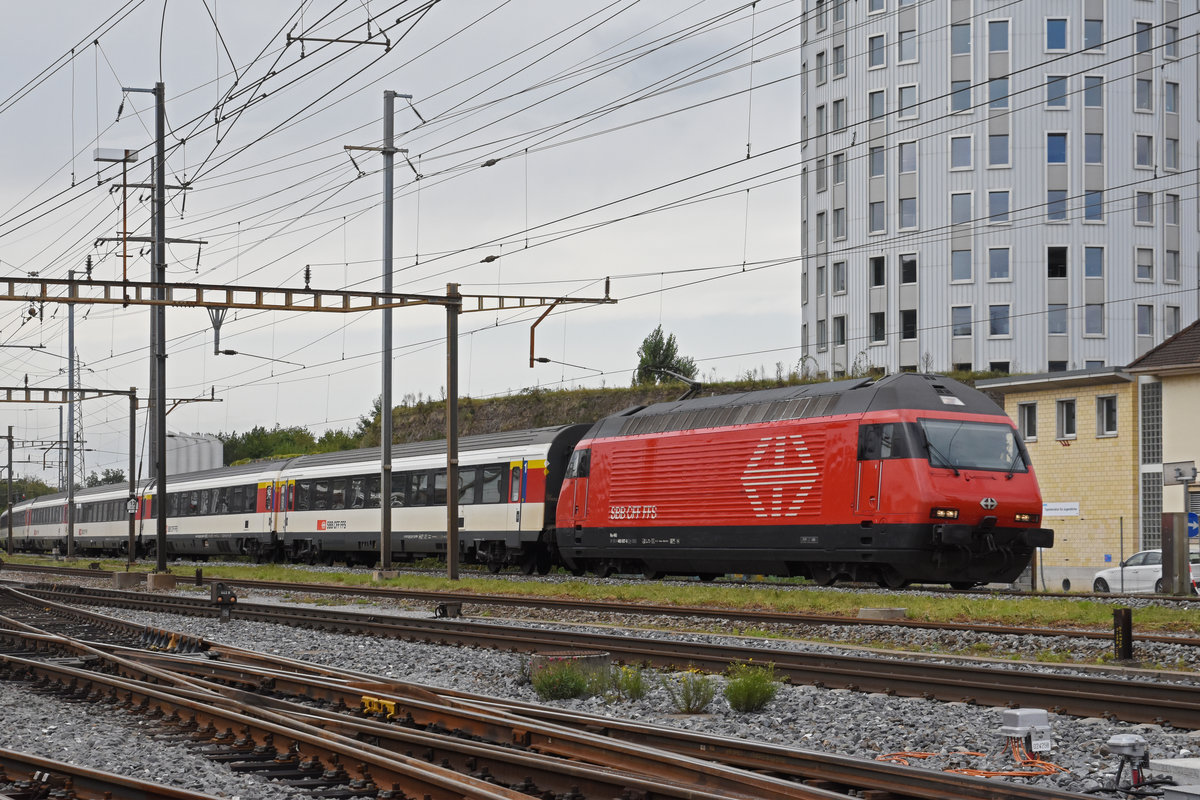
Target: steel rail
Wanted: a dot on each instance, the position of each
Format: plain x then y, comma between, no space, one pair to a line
84,783
1081,695
752,616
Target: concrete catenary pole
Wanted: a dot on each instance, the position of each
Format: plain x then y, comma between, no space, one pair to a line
71,418
160,315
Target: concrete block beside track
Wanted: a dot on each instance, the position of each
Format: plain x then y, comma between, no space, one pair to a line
882,613
128,580
160,580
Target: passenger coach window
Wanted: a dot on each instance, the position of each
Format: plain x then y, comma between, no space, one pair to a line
492,490
372,491
439,488
514,485
320,495
468,477
338,500
251,499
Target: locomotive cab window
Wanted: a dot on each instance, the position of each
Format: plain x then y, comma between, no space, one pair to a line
957,444
888,440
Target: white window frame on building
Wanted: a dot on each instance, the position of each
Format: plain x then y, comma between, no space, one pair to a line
1106,416
1064,419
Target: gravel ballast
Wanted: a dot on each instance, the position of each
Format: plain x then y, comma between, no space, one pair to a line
834,721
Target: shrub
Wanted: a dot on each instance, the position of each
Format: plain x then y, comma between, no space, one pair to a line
630,682
690,691
749,687
560,681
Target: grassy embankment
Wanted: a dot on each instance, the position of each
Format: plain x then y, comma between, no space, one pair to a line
1033,611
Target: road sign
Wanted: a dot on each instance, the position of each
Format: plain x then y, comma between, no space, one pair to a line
1179,473
1193,524
131,505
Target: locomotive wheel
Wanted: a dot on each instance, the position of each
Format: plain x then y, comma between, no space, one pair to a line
494,566
890,579
823,575
603,569
707,577
528,563
651,574
963,584
578,571
542,559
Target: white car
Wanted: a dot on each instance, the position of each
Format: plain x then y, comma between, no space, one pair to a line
1141,572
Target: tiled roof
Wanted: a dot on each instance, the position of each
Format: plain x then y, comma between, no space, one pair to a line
1181,351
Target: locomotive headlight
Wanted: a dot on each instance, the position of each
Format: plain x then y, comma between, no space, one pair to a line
1033,518
944,513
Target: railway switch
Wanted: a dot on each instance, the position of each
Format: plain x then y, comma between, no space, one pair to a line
1133,751
1028,725
224,599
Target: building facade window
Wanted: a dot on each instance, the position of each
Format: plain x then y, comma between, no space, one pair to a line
1093,91
998,35
877,104
1093,34
1056,205
998,150
876,52
960,321
1065,422
960,266
1171,266
1093,205
878,327
907,152
960,96
1056,148
998,203
1056,91
908,324
998,264
1170,321
1143,94
1093,262
1093,148
999,321
1056,319
1144,259
908,212
839,277
1143,37
1093,319
1106,415
1145,320
877,221
907,102
1056,262
1144,208
839,331
960,39
839,168
960,152
907,46
1056,34
960,208
1027,421
908,268
998,93
878,270
876,164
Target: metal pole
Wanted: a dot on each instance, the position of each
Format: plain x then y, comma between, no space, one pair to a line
159,313
385,403
132,554
10,502
71,419
453,308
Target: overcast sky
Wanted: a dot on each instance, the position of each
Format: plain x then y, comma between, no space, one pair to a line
620,131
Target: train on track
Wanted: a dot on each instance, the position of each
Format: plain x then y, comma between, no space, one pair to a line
906,478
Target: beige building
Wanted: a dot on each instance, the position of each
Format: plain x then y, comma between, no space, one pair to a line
1099,440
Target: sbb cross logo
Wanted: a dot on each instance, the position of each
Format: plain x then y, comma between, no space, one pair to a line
988,502
321,525
779,476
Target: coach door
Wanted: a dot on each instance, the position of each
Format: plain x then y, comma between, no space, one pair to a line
579,470
283,494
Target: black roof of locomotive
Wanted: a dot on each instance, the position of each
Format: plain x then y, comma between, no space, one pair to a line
904,390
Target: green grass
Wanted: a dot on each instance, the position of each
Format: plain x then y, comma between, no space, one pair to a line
560,680
750,687
1031,612
690,691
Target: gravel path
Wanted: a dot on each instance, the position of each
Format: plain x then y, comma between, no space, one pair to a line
835,721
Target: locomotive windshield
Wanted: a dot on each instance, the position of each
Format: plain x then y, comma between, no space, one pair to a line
956,444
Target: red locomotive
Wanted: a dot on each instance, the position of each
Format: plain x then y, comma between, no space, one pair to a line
907,478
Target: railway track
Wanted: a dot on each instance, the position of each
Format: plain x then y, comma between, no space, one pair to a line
1101,694
309,724
748,616
29,777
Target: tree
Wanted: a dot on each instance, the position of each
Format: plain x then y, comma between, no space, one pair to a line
108,476
656,353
